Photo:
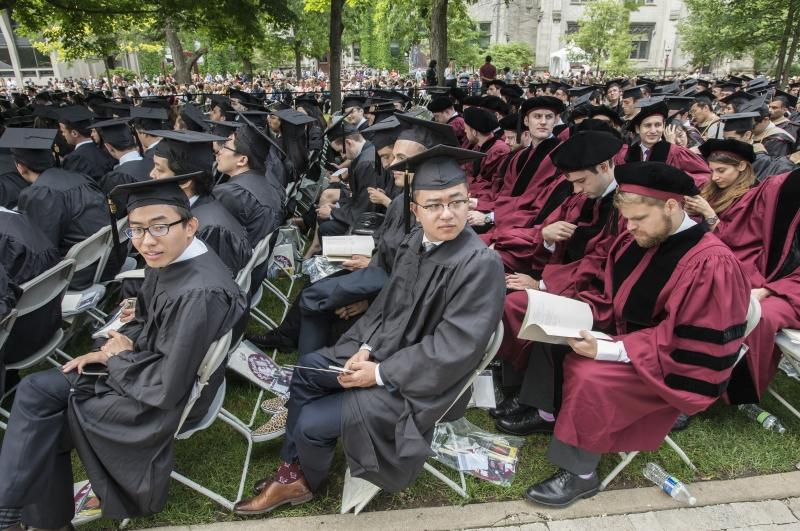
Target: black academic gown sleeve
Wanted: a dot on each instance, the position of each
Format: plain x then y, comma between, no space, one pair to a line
256,201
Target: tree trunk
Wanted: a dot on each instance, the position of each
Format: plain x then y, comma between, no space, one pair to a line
439,37
335,62
787,30
176,48
298,57
790,57
247,65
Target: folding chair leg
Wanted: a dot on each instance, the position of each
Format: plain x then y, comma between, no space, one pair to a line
678,450
460,489
783,401
228,504
626,460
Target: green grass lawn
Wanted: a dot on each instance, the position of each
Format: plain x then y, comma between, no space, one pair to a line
721,442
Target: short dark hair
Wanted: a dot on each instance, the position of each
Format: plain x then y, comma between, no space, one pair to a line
39,165
123,145
81,131
488,58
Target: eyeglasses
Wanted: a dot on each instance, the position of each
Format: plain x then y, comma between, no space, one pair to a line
230,149
438,208
156,231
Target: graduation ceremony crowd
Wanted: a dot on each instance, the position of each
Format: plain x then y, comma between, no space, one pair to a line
670,207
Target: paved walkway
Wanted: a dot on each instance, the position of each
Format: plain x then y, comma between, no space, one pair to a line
759,503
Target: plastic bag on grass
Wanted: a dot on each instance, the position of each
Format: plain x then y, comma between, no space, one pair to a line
463,446
318,267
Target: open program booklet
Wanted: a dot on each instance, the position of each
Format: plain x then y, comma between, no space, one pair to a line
552,319
341,248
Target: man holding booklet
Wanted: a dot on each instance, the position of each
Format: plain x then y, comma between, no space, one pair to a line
674,299
410,354
585,223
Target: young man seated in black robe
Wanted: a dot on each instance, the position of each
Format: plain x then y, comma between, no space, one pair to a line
123,421
131,167
407,358
75,124
66,206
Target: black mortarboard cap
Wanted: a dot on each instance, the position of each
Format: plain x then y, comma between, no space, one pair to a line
584,150
153,192
385,132
353,101
740,121
115,131
633,92
149,117
727,86
157,102
28,139
119,109
669,88
730,146
509,123
512,91
654,179
542,102
340,128
605,110
391,95
758,83
223,128
739,96
245,98
498,82
481,120
582,100
654,106
554,85
75,116
193,118
190,150
618,81
440,103
48,112
787,99
438,168
307,98
496,104
576,92
679,103
426,132
293,117
218,100
755,105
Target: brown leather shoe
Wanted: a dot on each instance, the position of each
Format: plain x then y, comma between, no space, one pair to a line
262,484
275,495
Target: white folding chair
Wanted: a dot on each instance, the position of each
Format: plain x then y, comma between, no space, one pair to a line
357,492
261,254
753,316
94,252
790,348
5,329
36,293
215,357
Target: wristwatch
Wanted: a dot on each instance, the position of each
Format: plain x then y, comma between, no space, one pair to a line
487,220
713,220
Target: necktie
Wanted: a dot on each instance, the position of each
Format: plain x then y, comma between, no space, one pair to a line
646,154
428,246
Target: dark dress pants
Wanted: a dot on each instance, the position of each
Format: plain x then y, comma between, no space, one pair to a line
35,457
314,421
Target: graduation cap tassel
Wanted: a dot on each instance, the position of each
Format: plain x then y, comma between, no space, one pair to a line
406,203
112,215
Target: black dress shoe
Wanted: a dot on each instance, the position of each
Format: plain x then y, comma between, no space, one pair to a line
524,424
562,489
273,339
681,423
509,406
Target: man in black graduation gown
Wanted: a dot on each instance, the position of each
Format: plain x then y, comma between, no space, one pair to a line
8,299
410,354
255,199
75,124
119,142
189,152
347,139
66,206
123,423
25,252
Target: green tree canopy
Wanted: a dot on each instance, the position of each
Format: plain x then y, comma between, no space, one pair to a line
514,55
604,35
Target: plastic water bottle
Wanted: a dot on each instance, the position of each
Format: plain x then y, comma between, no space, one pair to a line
765,418
668,484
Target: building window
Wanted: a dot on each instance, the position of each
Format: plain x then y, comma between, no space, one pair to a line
356,52
485,38
644,2
29,57
641,35
572,27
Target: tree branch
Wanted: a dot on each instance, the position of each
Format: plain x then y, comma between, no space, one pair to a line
105,11
200,52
